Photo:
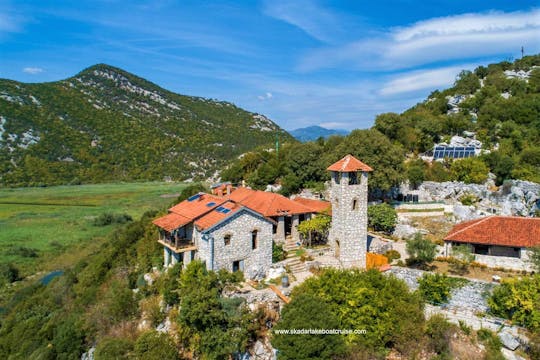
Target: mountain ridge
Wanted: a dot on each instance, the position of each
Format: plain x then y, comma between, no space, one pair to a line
106,124
314,132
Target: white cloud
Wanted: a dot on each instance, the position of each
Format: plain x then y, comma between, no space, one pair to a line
266,96
308,16
10,22
437,39
32,70
421,80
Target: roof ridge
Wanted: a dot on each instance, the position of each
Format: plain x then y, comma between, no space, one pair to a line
474,223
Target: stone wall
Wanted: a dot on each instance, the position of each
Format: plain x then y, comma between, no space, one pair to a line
504,262
349,226
240,226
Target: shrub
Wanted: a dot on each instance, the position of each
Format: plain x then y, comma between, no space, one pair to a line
356,298
113,348
307,311
153,345
151,310
8,273
421,251
382,217
435,288
491,343
22,251
278,253
439,332
110,218
468,199
392,255
519,301
462,259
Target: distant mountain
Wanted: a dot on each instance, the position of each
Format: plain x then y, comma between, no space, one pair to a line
105,124
311,133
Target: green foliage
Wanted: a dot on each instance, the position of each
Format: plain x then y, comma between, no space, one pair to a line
519,301
468,199
153,345
315,229
93,130
392,255
169,283
469,170
357,298
382,217
278,253
421,251
467,82
110,218
491,343
307,311
462,258
215,329
113,349
436,288
439,332
8,273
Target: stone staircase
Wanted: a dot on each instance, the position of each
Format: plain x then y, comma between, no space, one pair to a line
295,265
290,245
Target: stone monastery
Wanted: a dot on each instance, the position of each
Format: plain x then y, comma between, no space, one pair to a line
233,229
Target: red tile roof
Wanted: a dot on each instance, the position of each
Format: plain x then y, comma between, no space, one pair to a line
319,206
171,221
349,163
267,203
198,206
498,230
216,215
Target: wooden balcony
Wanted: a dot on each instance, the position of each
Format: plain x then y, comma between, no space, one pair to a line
178,245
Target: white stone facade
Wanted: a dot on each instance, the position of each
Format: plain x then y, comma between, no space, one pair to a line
521,263
348,233
254,262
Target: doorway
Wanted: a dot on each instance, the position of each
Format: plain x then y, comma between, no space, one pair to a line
337,249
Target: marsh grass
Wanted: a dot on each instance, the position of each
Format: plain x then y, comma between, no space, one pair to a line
50,221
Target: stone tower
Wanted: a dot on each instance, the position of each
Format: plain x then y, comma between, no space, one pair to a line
348,192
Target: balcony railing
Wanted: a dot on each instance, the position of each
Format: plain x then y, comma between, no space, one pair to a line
177,244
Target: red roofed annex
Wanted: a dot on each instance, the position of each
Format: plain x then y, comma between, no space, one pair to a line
497,241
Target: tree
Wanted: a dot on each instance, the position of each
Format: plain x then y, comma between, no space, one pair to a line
307,311
382,217
421,251
113,348
356,298
416,173
518,299
469,170
467,82
315,228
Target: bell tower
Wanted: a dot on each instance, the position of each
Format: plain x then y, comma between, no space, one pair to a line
348,192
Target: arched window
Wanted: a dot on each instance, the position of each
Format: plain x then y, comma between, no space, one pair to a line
254,239
336,202
355,204
227,239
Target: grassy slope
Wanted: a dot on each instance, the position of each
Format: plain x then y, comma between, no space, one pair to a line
57,218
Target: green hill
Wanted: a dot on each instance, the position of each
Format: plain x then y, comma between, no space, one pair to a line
105,124
497,105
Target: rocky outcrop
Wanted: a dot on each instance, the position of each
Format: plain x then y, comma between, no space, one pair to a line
514,197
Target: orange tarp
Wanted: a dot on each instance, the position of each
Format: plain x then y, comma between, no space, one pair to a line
375,261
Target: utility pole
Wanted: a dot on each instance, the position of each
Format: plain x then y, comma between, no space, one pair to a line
522,52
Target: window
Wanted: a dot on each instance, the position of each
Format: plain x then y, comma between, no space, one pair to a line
336,177
353,178
254,239
227,239
355,204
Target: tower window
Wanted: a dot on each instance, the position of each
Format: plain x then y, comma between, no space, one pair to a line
355,204
336,177
353,178
254,239
227,239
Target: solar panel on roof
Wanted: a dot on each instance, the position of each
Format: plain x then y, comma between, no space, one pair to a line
453,152
194,197
223,210
210,204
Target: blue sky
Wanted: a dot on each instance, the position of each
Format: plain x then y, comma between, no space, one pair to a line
335,64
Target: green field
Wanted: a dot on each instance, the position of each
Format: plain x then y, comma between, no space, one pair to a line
37,224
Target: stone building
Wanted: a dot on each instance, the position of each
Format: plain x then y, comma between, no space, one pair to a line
497,241
348,195
233,230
